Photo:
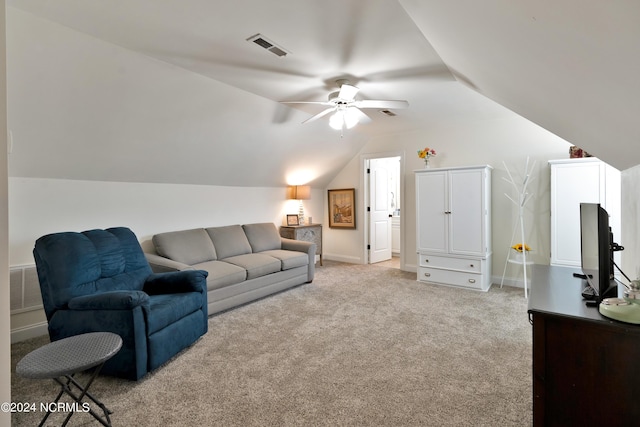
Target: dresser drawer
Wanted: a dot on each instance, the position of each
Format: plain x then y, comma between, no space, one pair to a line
463,264
448,277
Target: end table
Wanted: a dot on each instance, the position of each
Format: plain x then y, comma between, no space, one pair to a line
61,360
308,233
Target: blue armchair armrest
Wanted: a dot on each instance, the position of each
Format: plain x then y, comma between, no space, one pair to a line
112,300
176,282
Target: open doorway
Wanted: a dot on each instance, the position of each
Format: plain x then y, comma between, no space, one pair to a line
383,201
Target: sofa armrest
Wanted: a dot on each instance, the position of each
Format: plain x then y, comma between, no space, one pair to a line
160,264
298,245
112,300
176,282
302,246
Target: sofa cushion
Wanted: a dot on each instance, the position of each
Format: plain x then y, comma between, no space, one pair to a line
229,241
263,236
222,274
256,264
167,309
289,259
186,246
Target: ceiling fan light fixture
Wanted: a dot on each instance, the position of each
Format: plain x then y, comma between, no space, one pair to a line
344,118
345,111
336,121
351,117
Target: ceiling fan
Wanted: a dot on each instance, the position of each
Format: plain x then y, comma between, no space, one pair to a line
346,109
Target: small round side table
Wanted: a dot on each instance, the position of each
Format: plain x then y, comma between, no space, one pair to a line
61,360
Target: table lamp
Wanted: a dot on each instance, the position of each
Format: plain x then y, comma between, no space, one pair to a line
300,193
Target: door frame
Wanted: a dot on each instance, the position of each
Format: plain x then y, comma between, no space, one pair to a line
364,199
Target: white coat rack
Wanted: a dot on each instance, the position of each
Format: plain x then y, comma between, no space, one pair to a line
523,197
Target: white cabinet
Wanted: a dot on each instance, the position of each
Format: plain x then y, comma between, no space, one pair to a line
395,235
575,181
454,226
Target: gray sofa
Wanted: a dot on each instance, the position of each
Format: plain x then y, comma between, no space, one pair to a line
245,262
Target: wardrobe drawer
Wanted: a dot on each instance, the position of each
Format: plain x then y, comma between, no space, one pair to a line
448,277
462,264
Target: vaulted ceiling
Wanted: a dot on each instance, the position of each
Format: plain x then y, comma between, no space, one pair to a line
571,67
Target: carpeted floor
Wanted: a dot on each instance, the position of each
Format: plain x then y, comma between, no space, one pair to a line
360,346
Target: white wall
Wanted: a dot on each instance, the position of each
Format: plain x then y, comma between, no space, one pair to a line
488,142
630,237
41,206
5,353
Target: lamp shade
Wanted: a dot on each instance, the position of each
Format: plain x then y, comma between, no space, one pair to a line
298,192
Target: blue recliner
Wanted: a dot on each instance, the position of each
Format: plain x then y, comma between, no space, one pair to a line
100,280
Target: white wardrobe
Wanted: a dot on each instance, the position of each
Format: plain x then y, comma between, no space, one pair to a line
454,226
575,181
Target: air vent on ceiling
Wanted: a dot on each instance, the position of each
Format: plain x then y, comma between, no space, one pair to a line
265,43
388,113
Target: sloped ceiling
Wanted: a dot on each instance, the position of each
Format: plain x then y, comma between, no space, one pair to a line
209,112
570,66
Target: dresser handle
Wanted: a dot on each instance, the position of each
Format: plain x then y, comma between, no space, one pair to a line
471,265
427,274
472,280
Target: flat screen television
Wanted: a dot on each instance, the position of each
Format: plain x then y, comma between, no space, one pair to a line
596,245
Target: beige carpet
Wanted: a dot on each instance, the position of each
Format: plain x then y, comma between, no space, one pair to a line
360,346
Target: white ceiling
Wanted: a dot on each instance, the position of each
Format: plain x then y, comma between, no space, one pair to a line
560,64
571,66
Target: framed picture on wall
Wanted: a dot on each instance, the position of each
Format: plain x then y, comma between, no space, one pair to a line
342,208
293,220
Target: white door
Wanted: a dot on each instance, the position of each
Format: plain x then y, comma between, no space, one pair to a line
379,219
433,207
466,212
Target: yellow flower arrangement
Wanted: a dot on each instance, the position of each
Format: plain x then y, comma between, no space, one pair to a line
426,153
520,247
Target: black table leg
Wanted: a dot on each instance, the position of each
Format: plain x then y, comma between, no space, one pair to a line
84,391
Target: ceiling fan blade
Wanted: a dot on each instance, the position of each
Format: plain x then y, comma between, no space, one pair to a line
347,92
319,115
308,102
372,103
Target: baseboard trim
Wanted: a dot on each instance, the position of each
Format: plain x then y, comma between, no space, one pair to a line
28,332
508,281
412,268
343,258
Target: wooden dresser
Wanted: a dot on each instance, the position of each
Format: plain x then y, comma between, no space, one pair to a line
585,366
308,233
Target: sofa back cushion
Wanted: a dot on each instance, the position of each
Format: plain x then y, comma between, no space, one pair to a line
263,236
229,241
185,246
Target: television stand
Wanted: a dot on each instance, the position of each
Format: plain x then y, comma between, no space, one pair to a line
579,356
